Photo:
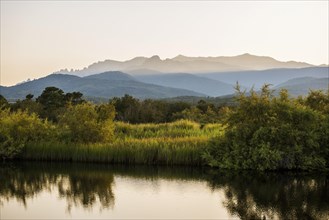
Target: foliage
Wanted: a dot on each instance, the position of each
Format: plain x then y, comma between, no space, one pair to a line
132,110
210,115
180,142
262,132
19,128
268,133
28,104
3,102
53,101
86,123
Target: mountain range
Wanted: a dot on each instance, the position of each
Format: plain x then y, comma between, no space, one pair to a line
200,84
184,64
302,85
104,85
271,76
180,76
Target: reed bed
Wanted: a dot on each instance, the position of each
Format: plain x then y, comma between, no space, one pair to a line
178,151
178,143
182,128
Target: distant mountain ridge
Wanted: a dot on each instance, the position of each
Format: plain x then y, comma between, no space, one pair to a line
302,85
153,77
272,76
188,81
184,64
104,85
116,83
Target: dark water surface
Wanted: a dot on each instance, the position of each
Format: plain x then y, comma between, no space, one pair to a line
34,190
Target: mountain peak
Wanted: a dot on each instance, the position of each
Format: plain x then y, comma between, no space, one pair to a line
112,75
181,58
155,58
248,55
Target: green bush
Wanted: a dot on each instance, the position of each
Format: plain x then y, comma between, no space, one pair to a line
268,133
19,128
87,123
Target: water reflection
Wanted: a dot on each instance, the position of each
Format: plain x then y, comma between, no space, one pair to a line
80,185
246,195
274,195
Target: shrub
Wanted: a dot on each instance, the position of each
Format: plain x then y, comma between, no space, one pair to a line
267,133
19,128
85,123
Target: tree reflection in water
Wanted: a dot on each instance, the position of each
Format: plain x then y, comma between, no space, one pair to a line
78,184
248,195
274,195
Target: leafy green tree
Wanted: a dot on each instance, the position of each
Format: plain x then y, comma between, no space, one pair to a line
208,115
3,102
204,106
85,123
29,96
105,112
74,98
152,111
28,104
318,100
53,102
266,133
126,108
174,108
52,97
133,110
19,128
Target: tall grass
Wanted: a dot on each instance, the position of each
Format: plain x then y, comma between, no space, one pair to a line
180,151
178,143
182,128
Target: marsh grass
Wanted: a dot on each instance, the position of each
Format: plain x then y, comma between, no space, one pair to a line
182,128
178,143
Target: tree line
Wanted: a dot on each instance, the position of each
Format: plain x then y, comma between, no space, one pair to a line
53,102
262,131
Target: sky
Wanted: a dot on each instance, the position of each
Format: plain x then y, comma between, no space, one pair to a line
41,37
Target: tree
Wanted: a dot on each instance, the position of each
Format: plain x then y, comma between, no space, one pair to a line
74,98
19,128
29,96
86,123
266,133
27,105
126,108
52,100
52,97
3,102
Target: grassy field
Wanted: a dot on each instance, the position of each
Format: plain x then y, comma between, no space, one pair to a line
177,143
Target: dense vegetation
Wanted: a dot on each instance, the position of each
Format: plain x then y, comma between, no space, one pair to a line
262,131
267,133
180,142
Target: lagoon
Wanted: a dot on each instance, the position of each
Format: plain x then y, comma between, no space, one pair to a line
35,190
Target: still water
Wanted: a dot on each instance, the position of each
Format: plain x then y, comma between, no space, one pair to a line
88,191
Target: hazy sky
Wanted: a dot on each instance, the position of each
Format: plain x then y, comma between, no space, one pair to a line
38,38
